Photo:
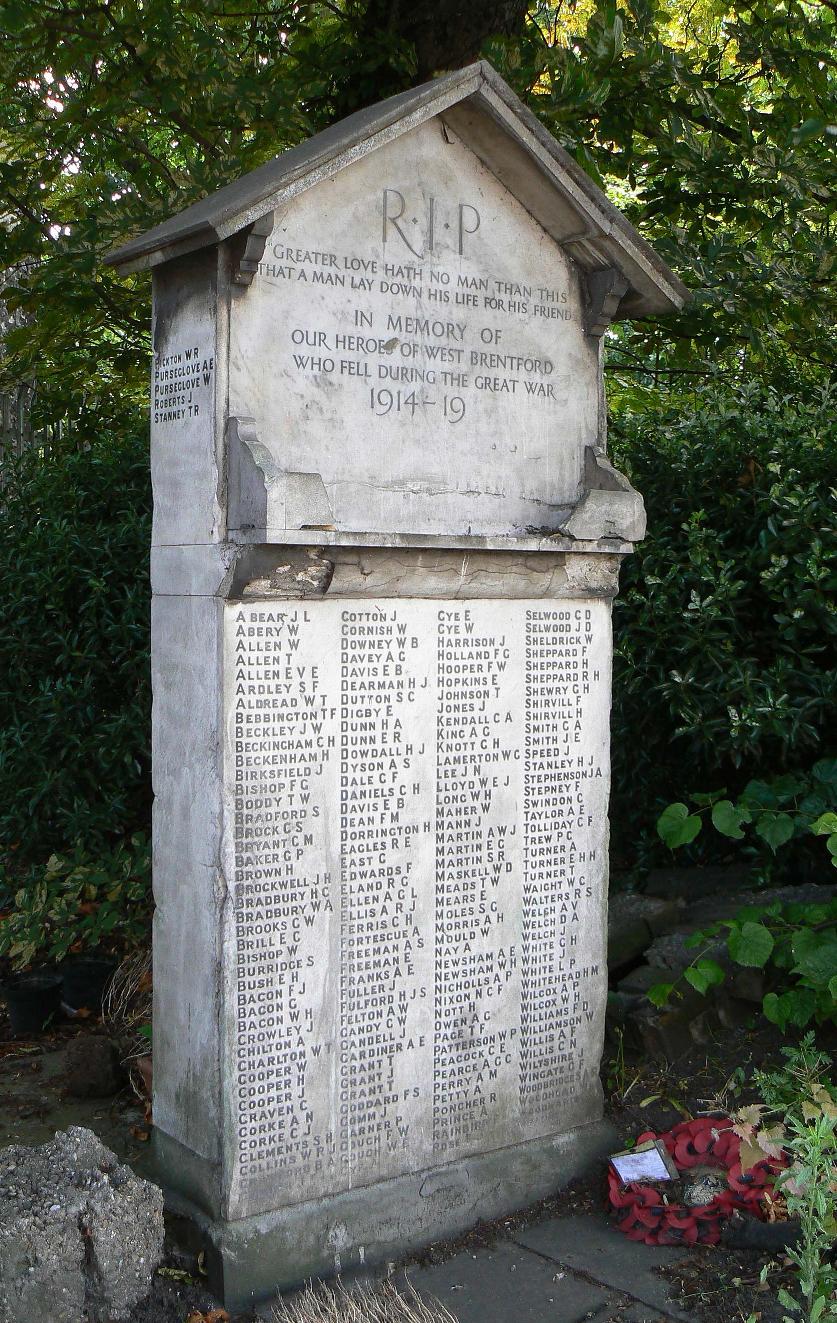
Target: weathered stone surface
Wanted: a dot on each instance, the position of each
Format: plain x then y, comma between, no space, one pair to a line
382,313
349,572
507,1282
671,1032
594,1246
454,761
641,979
80,1235
248,1258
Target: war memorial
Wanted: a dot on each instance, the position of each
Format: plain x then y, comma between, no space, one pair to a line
386,541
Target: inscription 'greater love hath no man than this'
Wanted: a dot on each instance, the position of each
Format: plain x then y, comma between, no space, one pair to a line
417,805
393,352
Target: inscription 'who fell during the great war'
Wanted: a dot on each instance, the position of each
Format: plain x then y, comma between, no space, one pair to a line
415,304
448,347
417,797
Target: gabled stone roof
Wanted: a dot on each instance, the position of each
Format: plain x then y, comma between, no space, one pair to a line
509,140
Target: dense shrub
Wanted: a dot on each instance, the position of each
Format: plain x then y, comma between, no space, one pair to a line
74,641
726,625
77,903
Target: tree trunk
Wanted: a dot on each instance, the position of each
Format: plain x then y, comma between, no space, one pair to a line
443,34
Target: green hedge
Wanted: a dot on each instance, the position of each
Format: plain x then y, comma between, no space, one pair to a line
74,644
726,625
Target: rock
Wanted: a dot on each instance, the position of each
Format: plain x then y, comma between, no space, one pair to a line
641,979
91,1067
626,941
746,984
80,1235
693,884
672,1030
633,921
670,954
732,1013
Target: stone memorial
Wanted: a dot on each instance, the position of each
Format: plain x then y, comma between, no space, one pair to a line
386,541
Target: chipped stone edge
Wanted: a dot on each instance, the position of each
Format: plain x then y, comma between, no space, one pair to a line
240,574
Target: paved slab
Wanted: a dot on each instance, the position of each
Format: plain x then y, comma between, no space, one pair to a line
620,1313
591,1246
507,1282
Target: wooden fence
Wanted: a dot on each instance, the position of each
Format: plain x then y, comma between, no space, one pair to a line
17,432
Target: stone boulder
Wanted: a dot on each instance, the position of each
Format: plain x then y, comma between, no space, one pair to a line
80,1235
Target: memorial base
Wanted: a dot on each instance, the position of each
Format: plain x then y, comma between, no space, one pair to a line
249,1260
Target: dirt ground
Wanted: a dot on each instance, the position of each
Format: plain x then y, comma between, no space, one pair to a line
716,1285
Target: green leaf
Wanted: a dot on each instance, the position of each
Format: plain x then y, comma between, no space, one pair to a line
812,127
825,771
759,795
697,979
794,1007
660,994
705,800
787,1301
802,1003
816,956
704,974
774,828
677,826
728,817
751,945
825,825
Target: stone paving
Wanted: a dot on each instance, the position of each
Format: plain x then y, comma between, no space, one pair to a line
562,1271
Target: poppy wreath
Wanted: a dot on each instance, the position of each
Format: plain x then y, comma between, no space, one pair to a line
708,1141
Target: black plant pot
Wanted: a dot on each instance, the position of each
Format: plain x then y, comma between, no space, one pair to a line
32,999
85,981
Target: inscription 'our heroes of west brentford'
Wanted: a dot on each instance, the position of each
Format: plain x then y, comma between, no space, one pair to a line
466,338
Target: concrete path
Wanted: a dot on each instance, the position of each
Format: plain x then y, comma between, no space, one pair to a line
563,1271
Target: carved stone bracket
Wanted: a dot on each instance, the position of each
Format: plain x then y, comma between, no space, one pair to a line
261,494
609,507
254,239
605,290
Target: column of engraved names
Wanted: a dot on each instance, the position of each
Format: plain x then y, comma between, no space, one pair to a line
380,932
281,903
557,856
475,1033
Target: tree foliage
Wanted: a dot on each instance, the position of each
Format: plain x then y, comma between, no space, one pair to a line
714,126
711,123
